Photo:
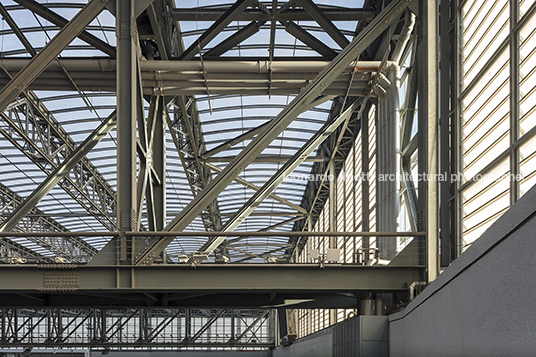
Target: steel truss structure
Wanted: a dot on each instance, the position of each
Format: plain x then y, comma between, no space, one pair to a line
128,328
146,143
164,85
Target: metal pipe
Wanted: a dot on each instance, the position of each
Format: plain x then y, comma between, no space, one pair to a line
196,77
404,37
192,67
201,91
178,83
388,184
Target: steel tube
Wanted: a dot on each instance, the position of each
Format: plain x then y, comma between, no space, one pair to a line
404,37
109,65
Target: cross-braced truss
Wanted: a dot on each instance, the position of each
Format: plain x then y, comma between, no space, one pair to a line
129,328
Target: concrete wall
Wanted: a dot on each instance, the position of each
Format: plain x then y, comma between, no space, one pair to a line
318,344
360,336
484,304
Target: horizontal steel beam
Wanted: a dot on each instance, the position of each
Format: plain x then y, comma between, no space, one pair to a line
208,14
137,344
122,282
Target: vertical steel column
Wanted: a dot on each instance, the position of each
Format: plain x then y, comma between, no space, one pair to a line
365,183
188,332
103,328
159,165
332,221
126,124
3,327
282,323
514,101
309,243
271,326
233,325
332,204
457,124
445,136
428,134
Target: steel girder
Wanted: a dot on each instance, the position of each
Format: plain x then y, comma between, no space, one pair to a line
207,285
322,19
74,249
233,40
221,23
149,327
10,249
391,13
305,37
257,188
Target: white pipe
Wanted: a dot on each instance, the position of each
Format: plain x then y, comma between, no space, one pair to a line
107,65
388,161
404,37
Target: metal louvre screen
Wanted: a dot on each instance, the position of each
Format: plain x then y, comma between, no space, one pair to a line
497,110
